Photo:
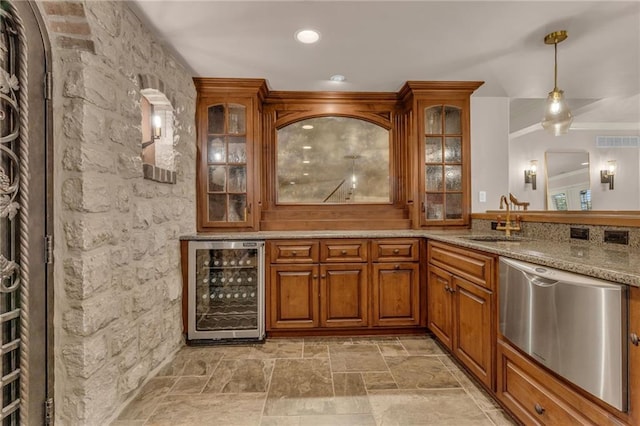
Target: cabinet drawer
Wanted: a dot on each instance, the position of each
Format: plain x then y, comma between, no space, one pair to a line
293,251
536,397
395,250
343,250
474,266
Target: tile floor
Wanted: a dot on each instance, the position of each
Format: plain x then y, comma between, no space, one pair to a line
405,380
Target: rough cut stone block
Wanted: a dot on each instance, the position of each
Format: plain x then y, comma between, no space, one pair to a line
89,233
106,16
92,315
132,379
82,358
128,358
142,215
87,274
90,193
64,8
149,332
123,334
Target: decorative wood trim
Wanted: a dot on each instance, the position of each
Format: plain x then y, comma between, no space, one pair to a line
602,218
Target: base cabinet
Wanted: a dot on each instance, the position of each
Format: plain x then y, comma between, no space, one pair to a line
460,306
344,295
294,296
343,284
536,397
396,294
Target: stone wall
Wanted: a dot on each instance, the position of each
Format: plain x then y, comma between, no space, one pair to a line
117,260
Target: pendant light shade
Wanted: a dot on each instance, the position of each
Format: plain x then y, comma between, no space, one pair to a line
557,115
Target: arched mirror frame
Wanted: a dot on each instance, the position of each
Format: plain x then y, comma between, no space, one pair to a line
284,108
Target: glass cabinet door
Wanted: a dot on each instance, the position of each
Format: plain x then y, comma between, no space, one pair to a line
227,165
443,164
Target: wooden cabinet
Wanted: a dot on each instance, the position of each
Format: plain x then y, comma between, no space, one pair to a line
461,306
354,289
396,294
634,355
228,161
396,283
536,397
344,295
443,153
293,296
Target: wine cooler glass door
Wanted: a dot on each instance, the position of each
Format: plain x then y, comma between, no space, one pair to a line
226,294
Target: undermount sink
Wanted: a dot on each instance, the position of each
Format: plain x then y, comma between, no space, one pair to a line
495,238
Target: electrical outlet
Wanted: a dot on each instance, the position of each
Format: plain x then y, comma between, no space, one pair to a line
579,233
494,225
616,237
482,196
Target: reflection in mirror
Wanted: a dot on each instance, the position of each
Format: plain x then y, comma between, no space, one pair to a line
568,185
332,160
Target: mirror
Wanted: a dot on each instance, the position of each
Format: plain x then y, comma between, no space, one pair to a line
332,160
568,186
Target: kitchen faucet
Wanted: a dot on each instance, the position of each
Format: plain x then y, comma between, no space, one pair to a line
509,225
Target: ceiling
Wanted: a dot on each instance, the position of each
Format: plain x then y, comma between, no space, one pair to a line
378,45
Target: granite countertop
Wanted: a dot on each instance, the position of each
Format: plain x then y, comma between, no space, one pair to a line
616,263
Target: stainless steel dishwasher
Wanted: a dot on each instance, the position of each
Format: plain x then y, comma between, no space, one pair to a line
573,324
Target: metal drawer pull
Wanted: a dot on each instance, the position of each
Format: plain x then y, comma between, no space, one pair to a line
396,251
635,340
343,252
293,253
539,409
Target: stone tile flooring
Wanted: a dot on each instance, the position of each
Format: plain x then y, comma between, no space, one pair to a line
405,380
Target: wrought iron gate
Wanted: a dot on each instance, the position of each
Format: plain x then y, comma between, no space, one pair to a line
23,148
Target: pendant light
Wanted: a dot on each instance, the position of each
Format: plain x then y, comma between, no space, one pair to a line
557,116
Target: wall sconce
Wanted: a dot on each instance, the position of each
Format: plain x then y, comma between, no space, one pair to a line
156,126
530,174
606,176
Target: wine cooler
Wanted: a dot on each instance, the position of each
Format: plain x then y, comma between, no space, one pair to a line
226,290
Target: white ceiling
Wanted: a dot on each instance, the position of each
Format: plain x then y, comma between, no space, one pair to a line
378,45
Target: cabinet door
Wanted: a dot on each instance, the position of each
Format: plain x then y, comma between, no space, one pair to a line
293,296
226,172
444,162
439,305
396,294
473,335
634,354
343,295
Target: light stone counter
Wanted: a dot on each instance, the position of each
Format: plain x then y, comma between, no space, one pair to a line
612,262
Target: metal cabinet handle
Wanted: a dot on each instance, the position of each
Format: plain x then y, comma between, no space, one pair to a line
452,290
396,251
293,253
396,267
343,252
635,340
323,276
446,288
539,409
315,277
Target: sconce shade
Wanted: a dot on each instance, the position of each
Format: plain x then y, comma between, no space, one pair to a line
557,116
607,175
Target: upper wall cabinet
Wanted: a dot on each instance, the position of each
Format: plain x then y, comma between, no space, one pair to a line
443,151
228,161
332,160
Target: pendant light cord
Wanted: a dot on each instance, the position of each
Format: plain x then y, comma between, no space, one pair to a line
555,67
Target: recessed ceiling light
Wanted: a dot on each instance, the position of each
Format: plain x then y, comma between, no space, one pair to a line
337,77
307,126
305,174
306,162
306,147
307,36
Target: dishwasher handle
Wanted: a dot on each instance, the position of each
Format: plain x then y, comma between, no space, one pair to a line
539,281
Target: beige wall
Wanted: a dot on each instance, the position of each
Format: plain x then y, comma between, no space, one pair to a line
117,260
489,151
